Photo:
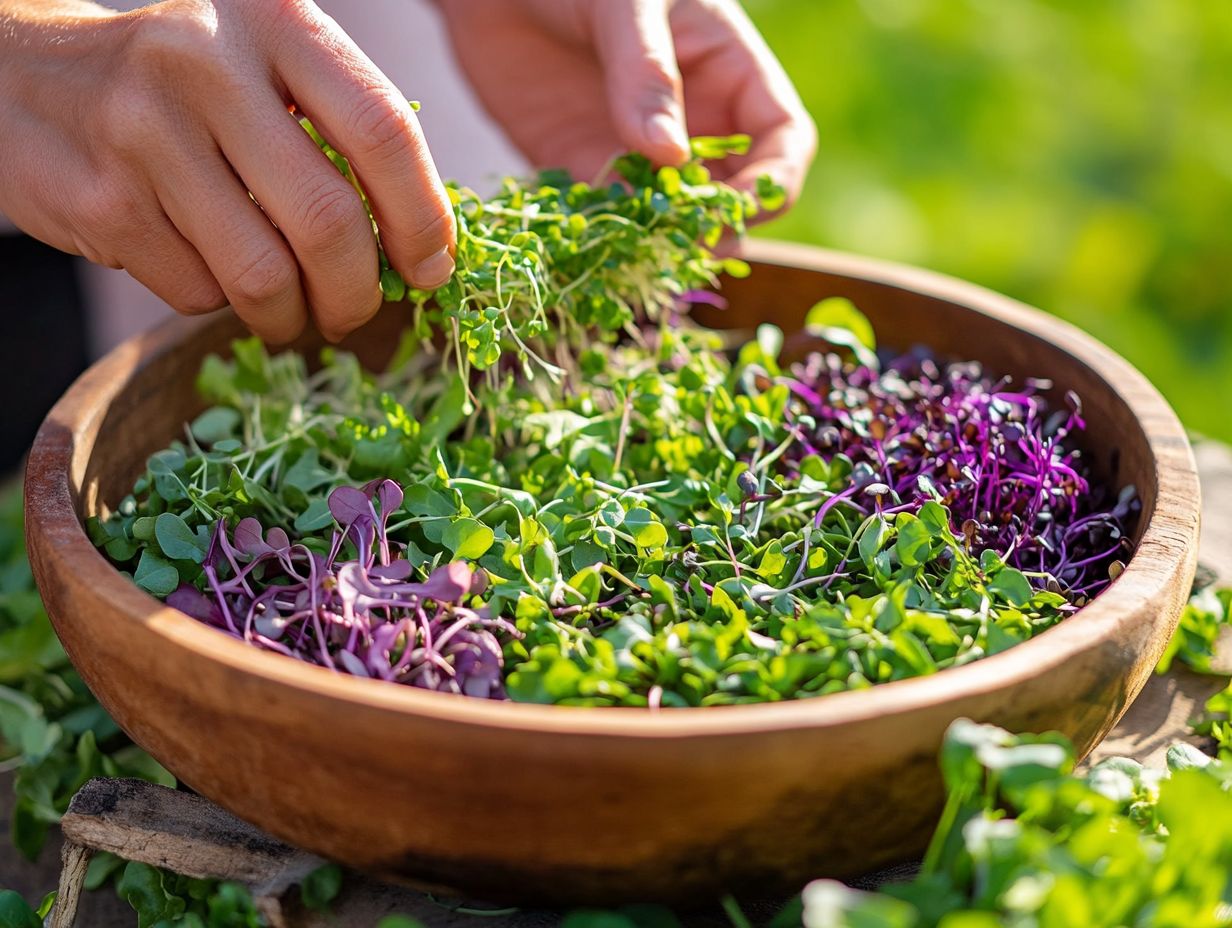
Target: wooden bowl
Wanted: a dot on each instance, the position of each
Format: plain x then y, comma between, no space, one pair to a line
581,805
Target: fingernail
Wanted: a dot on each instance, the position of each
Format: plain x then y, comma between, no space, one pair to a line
662,129
433,271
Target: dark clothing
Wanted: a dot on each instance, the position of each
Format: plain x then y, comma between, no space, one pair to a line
43,344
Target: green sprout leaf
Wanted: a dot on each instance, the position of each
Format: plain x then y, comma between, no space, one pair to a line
155,575
468,539
177,540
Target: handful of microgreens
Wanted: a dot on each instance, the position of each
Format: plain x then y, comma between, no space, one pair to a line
546,268
649,519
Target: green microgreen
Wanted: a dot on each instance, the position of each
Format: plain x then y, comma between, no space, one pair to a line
546,268
1024,841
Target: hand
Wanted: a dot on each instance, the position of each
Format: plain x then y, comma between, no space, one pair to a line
136,139
574,82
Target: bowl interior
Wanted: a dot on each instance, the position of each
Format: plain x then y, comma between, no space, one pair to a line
161,397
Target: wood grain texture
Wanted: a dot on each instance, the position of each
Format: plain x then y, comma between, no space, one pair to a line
164,827
541,803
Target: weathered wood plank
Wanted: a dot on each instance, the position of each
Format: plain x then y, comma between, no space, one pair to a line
167,828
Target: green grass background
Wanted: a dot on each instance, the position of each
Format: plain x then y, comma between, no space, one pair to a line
1075,154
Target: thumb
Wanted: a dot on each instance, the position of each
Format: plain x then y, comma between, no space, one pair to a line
635,46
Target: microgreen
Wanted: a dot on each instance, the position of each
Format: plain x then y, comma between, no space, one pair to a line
161,899
1203,624
1025,841
548,266
994,452
1205,616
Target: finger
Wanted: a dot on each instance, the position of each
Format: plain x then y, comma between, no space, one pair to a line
246,254
166,264
768,107
318,212
118,222
782,153
635,45
365,117
591,159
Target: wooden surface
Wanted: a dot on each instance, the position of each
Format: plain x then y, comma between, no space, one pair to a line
515,801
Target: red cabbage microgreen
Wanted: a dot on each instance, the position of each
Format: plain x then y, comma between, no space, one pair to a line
916,428
362,615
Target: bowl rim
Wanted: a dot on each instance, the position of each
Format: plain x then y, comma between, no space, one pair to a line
1167,547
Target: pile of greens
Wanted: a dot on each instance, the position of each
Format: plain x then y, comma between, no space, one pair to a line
1025,842
548,267
644,534
661,521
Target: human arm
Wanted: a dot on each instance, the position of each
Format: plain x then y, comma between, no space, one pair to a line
573,82
165,141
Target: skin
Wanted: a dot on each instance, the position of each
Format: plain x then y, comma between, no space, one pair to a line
134,140
597,77
164,141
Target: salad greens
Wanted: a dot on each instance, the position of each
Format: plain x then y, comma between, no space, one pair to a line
649,536
660,522
546,267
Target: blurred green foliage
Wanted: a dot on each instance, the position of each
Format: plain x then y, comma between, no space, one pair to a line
1075,154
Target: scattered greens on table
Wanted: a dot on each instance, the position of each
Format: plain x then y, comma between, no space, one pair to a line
51,729
1024,842
1208,613
649,520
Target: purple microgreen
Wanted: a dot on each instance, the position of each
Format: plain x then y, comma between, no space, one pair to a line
356,616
